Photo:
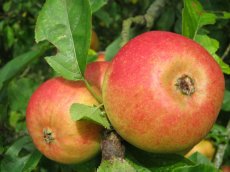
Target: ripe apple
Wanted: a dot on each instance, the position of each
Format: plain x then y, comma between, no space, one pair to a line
162,92
205,147
94,74
53,131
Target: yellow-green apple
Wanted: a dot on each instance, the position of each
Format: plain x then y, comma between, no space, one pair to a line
53,131
94,74
162,92
205,147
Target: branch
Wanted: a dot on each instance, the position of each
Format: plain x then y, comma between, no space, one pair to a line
111,146
221,149
148,19
226,52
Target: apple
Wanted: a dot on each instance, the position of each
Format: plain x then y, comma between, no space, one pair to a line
205,147
225,168
94,44
94,74
162,92
101,56
53,131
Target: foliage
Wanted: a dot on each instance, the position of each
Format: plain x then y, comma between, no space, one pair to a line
68,29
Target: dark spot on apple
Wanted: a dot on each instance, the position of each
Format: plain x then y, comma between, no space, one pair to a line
186,85
48,136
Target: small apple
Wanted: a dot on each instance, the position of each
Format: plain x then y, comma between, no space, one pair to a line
226,168
162,92
53,131
94,74
205,147
94,44
101,56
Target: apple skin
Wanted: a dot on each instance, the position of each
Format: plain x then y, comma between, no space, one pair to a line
48,111
205,147
147,104
95,73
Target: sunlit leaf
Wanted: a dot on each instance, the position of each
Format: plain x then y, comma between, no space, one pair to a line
116,165
84,112
212,45
67,25
194,18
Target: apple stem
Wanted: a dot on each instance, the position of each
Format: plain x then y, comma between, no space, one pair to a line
111,146
99,99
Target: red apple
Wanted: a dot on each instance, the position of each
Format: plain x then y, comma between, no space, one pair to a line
163,92
94,74
53,131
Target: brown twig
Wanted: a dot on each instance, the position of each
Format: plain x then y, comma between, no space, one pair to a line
111,146
147,19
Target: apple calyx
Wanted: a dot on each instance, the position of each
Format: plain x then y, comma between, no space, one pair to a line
48,135
186,85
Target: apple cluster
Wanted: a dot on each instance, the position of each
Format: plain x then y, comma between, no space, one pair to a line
162,93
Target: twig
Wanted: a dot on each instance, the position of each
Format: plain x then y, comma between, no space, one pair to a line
91,90
226,52
111,146
221,149
148,19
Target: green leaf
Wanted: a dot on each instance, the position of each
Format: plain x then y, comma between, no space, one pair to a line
194,17
14,150
226,15
116,165
219,134
13,67
87,166
200,159
145,161
7,6
226,102
112,49
167,19
9,36
200,167
18,97
97,4
212,45
67,25
104,17
32,161
84,112
13,161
